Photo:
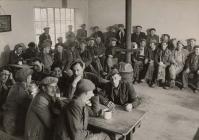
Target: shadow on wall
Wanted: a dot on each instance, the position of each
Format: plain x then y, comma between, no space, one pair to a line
196,137
4,57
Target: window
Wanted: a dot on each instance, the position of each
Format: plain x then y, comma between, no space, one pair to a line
57,19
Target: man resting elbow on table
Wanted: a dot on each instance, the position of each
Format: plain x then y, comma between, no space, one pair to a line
119,92
74,119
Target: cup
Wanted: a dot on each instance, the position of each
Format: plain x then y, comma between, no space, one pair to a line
107,114
128,107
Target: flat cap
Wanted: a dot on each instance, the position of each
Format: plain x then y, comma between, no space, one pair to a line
46,28
84,85
91,38
138,26
113,39
152,29
153,41
22,74
49,80
83,25
113,72
191,39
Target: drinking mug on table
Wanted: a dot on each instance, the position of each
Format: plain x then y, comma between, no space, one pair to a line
107,114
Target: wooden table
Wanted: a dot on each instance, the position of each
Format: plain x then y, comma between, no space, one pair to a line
122,124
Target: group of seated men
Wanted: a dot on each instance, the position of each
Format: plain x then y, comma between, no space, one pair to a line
156,61
84,70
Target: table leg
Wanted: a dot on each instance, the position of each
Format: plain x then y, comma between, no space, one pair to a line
129,136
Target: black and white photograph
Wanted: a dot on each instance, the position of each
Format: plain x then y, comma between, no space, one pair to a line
99,70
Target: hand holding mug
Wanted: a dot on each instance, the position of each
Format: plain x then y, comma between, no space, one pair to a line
128,107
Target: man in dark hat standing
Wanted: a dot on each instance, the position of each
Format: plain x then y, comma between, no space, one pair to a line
39,120
82,33
152,36
17,103
138,35
44,36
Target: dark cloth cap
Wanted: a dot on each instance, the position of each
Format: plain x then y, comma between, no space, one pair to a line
152,29
125,67
191,39
46,28
120,25
22,74
77,61
143,39
113,72
113,39
49,80
84,85
91,38
83,25
138,26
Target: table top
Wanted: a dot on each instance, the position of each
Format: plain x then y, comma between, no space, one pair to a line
122,122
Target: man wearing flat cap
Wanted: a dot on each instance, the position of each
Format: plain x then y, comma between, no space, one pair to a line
138,35
44,36
17,103
76,113
97,33
70,33
191,43
118,92
178,59
192,68
152,36
40,117
82,33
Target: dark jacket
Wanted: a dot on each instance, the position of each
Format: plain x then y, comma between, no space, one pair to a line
42,38
72,123
60,58
154,37
192,62
81,34
30,53
39,119
163,56
98,34
4,89
86,57
121,38
14,58
137,38
124,93
15,109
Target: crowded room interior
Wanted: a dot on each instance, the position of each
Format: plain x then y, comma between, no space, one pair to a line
99,70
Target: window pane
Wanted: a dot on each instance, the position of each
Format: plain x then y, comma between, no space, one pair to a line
43,14
57,25
67,14
63,27
37,14
63,14
57,14
38,27
50,14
